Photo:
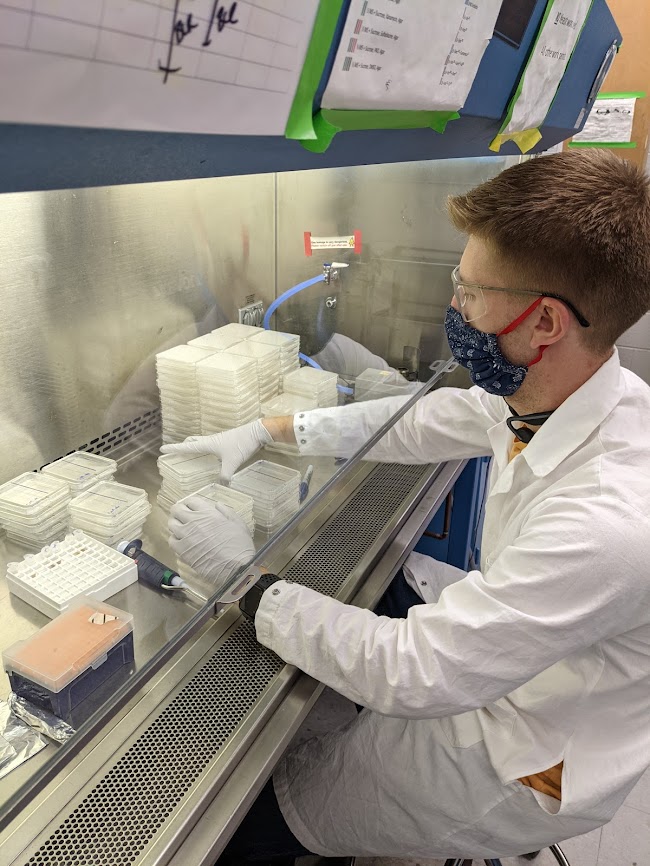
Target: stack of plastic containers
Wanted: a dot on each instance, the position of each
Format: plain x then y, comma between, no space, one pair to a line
267,359
275,491
179,391
289,346
239,502
110,512
53,578
319,385
34,509
286,404
81,470
229,393
183,474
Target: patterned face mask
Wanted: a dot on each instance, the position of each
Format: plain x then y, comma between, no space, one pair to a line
481,355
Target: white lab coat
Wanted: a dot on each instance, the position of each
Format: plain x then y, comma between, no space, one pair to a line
542,656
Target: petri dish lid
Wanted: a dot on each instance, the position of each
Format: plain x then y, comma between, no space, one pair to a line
260,352
80,468
186,467
285,342
180,355
231,366
216,340
107,500
69,644
267,477
31,492
239,330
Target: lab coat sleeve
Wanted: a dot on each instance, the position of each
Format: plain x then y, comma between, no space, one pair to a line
448,424
577,575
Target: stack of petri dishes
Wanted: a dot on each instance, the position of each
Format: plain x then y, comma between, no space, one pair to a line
289,346
34,509
234,329
110,512
239,502
182,474
319,385
286,404
275,491
81,470
229,393
179,391
267,359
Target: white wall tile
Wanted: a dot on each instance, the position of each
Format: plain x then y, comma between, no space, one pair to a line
625,841
640,796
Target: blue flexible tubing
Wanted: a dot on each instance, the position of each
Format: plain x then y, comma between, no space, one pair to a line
285,297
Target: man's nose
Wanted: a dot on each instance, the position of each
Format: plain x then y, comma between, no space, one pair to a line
454,302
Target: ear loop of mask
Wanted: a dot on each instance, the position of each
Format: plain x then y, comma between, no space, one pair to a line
511,327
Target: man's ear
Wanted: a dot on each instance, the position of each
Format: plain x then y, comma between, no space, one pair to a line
553,323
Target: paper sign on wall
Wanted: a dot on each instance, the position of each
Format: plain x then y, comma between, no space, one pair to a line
610,120
560,30
415,56
175,65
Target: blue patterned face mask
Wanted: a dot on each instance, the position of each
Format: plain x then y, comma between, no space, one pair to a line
481,355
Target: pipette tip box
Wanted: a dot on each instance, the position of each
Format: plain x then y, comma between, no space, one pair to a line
64,662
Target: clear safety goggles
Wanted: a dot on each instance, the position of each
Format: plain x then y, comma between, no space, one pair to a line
472,303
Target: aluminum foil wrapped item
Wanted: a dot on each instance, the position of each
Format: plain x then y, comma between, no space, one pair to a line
18,741
40,720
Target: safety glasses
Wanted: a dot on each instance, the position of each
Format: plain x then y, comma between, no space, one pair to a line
472,304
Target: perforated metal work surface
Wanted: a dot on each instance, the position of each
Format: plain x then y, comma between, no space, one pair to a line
326,564
129,805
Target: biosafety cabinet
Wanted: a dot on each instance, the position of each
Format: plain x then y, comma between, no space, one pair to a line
117,247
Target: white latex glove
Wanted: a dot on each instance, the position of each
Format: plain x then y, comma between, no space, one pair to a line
232,447
211,538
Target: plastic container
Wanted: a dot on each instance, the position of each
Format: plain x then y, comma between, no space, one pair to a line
70,657
81,470
52,579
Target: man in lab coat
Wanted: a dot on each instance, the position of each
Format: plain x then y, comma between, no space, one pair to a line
510,709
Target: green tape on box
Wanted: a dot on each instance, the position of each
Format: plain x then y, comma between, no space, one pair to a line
300,124
315,132
631,94
329,121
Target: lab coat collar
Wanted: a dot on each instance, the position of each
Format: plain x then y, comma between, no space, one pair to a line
569,426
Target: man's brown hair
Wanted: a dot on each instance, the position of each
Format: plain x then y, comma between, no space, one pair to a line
572,224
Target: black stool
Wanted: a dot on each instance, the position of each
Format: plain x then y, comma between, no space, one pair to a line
555,850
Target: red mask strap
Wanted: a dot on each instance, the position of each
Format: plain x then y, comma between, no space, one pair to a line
539,357
521,318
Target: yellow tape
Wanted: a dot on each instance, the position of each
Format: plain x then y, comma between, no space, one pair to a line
525,140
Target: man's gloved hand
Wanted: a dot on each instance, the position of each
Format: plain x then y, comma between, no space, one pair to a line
211,539
232,447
